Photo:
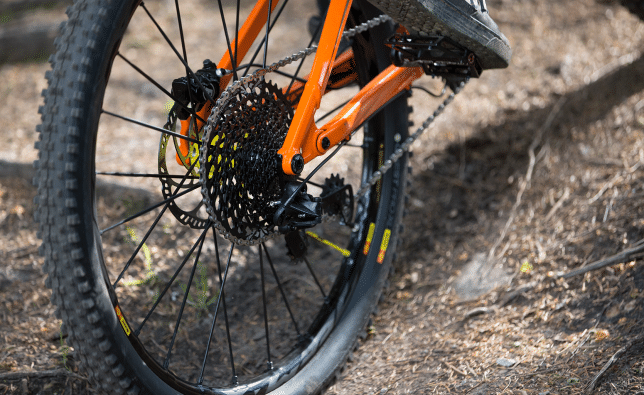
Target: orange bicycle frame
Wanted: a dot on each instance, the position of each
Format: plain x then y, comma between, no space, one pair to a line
305,140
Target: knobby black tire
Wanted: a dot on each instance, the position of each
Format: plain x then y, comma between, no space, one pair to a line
72,245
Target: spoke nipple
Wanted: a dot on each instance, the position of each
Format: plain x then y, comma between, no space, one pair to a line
297,164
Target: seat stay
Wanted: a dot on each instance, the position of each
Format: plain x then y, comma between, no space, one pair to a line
303,123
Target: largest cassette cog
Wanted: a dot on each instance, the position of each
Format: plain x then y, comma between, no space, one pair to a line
239,167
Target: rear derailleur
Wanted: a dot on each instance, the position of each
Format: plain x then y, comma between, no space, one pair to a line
298,210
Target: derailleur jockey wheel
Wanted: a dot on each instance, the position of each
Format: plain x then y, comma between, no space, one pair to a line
240,171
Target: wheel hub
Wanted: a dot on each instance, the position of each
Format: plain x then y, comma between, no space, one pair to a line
240,171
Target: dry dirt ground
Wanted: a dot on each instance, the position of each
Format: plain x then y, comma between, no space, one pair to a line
533,172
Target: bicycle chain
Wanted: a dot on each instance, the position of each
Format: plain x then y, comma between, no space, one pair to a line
377,175
398,153
297,56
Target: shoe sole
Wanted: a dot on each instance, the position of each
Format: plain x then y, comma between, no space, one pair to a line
442,17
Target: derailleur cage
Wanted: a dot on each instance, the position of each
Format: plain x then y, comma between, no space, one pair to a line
337,199
439,56
296,244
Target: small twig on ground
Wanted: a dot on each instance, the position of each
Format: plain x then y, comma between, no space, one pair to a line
40,374
617,258
604,188
511,295
528,177
477,311
469,369
558,205
572,343
454,368
550,370
593,383
616,178
579,345
591,386
476,386
20,252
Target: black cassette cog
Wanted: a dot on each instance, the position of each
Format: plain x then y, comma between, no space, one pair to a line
240,169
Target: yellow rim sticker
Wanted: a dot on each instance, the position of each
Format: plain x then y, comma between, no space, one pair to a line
344,252
383,246
126,328
367,244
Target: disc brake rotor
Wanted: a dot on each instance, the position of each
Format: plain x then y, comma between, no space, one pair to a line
169,187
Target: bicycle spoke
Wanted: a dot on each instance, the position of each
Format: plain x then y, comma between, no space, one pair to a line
268,343
223,299
154,224
236,36
143,175
315,184
161,88
169,283
299,66
147,125
230,50
314,276
268,25
166,362
279,286
261,42
183,45
147,210
214,318
183,41
192,74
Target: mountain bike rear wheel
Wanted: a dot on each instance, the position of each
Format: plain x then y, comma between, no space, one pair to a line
154,296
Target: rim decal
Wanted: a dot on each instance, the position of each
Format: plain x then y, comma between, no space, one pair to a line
367,244
383,246
124,324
